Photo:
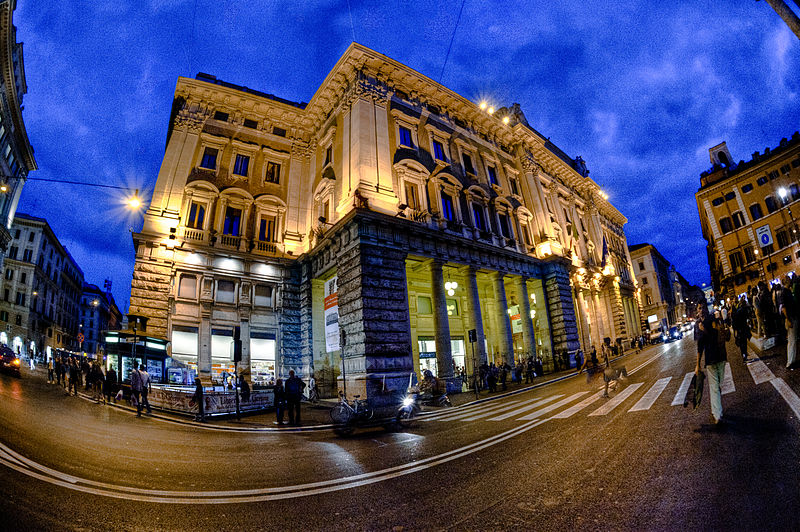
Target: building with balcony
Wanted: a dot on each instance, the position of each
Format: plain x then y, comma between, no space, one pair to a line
98,313
376,225
16,153
748,216
41,291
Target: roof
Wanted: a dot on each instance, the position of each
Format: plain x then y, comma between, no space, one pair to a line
202,76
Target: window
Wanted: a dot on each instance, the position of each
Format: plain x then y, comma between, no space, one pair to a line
505,228
279,131
23,277
12,254
492,175
241,165
273,174
263,296
197,215
405,137
477,213
755,211
30,237
16,234
468,168
187,287
3,315
738,219
328,156
411,196
644,280
736,260
641,266
232,219
20,299
222,117
252,124
729,196
747,188
767,250
447,207
772,205
209,159
773,175
225,291
716,202
783,239
785,169
526,233
266,229
452,307
726,225
424,305
761,180
9,274
27,255
438,151
749,256
514,186
795,191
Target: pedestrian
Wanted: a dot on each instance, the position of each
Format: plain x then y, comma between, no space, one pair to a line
50,370
198,398
578,359
110,385
33,364
279,401
244,388
711,344
74,377
98,381
146,389
741,326
313,391
294,394
504,370
136,390
790,315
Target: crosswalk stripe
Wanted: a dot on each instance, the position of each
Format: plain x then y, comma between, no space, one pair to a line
472,416
615,402
574,409
759,371
727,380
652,394
537,413
788,395
681,395
475,410
525,408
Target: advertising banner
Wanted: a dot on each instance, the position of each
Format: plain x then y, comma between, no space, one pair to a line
516,321
331,315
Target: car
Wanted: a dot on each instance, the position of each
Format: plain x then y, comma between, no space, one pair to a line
675,333
9,361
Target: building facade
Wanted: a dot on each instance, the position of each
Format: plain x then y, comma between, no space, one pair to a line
379,223
16,153
748,216
41,291
98,313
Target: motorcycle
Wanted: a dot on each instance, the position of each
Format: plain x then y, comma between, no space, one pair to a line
407,411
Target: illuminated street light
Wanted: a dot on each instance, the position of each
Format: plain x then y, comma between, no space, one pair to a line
491,110
483,105
134,202
505,120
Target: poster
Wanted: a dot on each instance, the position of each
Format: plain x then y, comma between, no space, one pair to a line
331,315
516,321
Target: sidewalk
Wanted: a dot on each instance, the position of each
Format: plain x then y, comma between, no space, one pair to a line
317,416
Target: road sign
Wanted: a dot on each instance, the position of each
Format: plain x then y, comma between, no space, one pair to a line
764,235
80,337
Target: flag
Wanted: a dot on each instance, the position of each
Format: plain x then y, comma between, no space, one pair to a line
605,253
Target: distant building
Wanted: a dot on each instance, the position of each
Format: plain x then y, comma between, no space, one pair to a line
379,227
748,213
99,313
41,291
16,153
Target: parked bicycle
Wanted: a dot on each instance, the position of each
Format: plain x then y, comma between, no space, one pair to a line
347,417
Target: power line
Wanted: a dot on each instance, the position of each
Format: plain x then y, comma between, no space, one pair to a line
65,181
352,26
447,56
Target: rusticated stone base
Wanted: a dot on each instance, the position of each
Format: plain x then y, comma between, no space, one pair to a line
561,307
149,295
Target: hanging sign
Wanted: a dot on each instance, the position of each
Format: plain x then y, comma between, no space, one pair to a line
331,315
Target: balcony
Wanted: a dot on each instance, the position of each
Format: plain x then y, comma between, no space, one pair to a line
194,235
486,236
265,248
230,241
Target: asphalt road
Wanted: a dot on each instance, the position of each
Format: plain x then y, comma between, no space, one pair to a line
555,458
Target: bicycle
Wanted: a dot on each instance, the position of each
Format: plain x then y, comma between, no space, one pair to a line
346,417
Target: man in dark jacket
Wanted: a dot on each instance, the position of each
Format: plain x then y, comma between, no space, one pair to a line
198,398
741,327
294,393
711,339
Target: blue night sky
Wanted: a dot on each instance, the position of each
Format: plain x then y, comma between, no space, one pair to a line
640,89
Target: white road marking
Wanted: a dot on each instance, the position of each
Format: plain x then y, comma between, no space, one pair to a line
525,408
759,371
681,394
538,413
489,410
788,395
615,402
652,394
578,407
458,413
645,363
727,381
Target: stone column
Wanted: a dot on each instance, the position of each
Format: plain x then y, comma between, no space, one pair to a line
291,354
204,341
441,324
474,312
528,336
504,324
561,307
244,327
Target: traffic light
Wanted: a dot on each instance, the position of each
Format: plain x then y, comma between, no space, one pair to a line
237,344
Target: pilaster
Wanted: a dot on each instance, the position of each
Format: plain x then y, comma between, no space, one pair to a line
560,306
523,296
475,315
504,324
441,323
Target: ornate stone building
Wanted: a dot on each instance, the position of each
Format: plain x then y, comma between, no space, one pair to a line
748,216
16,153
380,222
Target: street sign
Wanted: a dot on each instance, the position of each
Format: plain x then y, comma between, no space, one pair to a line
764,236
80,337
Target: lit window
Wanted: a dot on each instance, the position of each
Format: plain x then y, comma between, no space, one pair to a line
241,165
232,219
266,229
405,137
452,307
197,215
438,151
447,207
209,159
411,196
424,305
273,174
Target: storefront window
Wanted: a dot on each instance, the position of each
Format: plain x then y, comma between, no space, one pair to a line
184,342
262,358
427,354
457,348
